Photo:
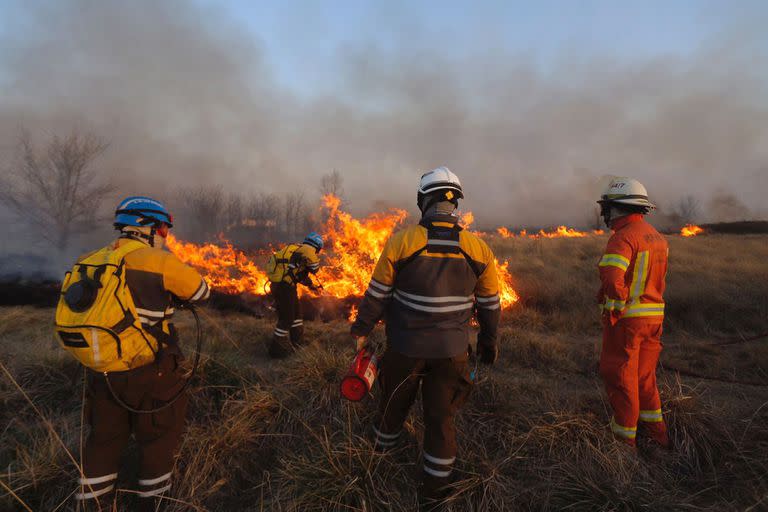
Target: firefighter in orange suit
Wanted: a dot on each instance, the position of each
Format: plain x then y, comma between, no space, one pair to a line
427,284
154,375
632,275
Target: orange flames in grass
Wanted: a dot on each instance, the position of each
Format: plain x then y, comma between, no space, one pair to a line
691,230
352,248
225,268
559,232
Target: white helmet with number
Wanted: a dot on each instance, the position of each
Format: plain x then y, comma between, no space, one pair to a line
627,192
439,185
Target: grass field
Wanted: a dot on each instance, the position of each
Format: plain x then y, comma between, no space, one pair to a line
534,436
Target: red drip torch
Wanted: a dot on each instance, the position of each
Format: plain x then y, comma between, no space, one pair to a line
360,377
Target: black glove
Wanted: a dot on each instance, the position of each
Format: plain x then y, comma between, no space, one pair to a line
487,353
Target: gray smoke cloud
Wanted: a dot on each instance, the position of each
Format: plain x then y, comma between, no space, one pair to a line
185,96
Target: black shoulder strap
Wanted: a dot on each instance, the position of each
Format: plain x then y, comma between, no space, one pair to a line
442,241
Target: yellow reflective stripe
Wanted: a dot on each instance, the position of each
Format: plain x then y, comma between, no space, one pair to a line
651,416
614,260
639,309
613,305
625,432
639,275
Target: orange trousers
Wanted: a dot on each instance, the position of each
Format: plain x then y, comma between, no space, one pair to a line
630,352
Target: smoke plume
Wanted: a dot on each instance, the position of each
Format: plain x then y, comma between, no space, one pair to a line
185,95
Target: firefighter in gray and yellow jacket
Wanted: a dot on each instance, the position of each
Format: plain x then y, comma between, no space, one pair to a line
289,267
135,364
429,280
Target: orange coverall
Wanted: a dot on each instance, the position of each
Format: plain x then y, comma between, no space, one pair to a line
632,274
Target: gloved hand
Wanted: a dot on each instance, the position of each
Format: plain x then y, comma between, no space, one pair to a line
487,353
359,342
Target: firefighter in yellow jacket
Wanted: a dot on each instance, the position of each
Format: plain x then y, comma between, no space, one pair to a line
427,284
124,373
289,267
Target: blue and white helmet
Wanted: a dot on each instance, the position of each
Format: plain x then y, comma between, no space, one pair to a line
315,240
141,211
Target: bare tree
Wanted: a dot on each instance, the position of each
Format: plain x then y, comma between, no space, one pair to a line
57,190
233,211
205,207
332,183
726,207
294,213
687,208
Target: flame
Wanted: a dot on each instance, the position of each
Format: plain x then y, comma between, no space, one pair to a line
559,232
225,268
352,249
691,230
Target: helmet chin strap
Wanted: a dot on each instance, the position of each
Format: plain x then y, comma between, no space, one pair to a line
611,214
147,238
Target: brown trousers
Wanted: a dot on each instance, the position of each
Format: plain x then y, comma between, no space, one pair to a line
157,434
289,332
445,386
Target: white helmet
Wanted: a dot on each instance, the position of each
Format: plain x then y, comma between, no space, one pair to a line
440,185
622,191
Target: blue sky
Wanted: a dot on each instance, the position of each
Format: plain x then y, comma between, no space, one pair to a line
301,38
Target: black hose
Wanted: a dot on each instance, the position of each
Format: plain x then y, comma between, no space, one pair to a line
199,343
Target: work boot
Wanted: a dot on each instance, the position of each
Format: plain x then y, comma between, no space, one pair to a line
297,334
433,500
280,347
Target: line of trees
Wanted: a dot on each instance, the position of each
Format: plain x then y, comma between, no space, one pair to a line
60,189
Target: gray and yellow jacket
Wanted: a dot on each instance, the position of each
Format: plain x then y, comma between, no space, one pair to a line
427,283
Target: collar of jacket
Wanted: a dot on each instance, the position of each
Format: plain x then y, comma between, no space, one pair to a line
445,221
627,219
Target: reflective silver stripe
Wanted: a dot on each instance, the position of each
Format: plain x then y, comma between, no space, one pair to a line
625,432
451,243
447,298
97,479
434,309
380,286
201,293
94,494
439,461
378,295
153,481
382,435
614,260
150,313
148,321
651,416
434,472
280,333
154,492
298,322
494,306
493,298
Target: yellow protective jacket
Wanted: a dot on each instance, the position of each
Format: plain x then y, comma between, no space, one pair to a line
153,277
293,263
427,283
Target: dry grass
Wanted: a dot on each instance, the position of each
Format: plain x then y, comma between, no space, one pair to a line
277,436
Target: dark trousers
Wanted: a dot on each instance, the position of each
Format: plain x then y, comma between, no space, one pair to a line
111,425
445,386
289,332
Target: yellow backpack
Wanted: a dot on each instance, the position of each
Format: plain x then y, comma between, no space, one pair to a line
279,265
96,319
